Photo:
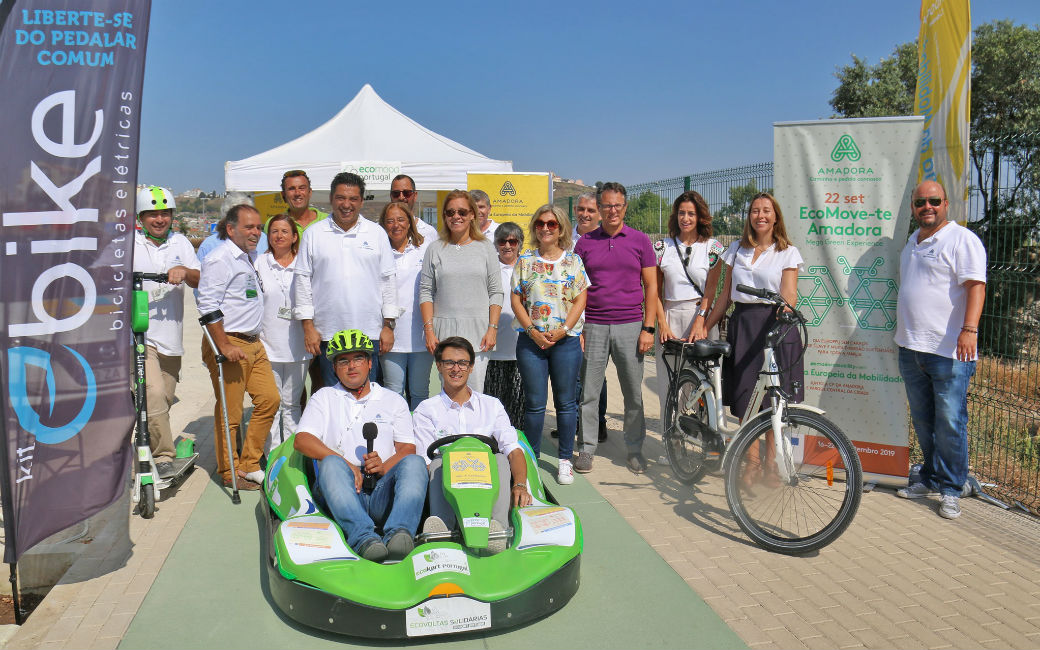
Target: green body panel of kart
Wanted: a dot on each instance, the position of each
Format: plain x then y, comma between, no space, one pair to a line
442,587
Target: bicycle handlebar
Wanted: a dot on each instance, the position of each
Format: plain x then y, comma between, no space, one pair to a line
154,277
764,294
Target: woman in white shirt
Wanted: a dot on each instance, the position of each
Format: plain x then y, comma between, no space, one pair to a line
281,334
503,378
763,258
406,367
688,272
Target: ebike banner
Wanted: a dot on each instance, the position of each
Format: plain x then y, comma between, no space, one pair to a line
943,94
514,196
844,188
70,75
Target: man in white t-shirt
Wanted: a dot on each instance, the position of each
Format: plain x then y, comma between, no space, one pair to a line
157,249
942,273
402,189
483,203
362,489
346,276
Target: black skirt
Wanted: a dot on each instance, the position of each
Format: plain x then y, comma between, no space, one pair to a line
503,381
746,333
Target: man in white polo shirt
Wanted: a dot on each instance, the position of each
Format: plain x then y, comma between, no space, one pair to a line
402,189
332,432
483,202
942,273
457,410
157,249
346,277
230,284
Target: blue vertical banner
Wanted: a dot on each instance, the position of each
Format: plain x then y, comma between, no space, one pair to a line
70,80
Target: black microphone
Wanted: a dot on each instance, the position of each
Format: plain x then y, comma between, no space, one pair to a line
369,430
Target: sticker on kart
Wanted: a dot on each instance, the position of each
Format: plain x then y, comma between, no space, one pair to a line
469,470
447,615
440,560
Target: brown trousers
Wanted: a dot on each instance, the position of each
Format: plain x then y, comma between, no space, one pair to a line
253,375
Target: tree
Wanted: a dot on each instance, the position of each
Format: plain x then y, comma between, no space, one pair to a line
1005,134
729,219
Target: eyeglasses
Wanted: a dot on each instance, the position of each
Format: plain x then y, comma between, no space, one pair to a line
462,212
546,225
461,364
350,362
611,206
934,201
295,172
402,194
511,242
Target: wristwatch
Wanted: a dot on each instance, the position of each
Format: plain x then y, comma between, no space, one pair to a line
390,322
702,312
649,329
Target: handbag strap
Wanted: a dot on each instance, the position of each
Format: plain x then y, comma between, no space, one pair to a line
685,269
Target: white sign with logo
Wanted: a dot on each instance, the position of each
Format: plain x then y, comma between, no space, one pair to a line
440,560
447,615
844,188
377,173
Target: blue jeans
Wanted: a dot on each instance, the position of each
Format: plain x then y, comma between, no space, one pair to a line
328,371
937,390
408,375
561,362
396,503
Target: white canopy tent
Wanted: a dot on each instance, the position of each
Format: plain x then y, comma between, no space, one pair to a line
367,129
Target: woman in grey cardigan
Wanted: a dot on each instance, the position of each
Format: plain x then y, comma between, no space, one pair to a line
460,287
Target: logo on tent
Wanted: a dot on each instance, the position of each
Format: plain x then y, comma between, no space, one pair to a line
507,188
845,147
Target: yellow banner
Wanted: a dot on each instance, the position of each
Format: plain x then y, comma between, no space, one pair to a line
514,197
269,204
943,95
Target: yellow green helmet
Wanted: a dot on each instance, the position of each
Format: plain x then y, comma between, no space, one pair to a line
349,341
154,197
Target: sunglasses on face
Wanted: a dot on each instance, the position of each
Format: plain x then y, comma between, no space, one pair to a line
934,201
402,194
546,225
511,242
462,212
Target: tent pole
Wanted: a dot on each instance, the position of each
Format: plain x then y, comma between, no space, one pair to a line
15,598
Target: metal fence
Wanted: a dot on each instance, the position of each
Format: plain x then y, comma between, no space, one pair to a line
1004,398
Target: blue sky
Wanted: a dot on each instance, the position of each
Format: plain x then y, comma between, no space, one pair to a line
598,91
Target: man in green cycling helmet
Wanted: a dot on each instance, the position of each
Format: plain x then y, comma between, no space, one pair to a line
367,490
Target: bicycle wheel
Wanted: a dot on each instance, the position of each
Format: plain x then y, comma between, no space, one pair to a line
815,505
686,433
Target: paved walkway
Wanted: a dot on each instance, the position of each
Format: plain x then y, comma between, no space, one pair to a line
899,577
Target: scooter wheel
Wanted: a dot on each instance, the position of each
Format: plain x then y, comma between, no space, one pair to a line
147,501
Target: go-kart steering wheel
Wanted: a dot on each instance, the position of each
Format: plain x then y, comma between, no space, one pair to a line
447,440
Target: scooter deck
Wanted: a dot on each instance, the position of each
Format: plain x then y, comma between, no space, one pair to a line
181,467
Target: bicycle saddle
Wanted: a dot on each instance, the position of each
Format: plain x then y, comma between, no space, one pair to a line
708,349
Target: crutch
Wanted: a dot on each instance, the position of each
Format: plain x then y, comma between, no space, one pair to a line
219,358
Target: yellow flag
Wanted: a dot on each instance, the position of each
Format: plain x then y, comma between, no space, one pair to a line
943,95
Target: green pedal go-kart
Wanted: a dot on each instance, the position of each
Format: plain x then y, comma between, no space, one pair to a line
448,584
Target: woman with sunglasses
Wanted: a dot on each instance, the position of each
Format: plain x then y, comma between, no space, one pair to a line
548,293
406,367
281,333
503,377
460,286
763,258
688,271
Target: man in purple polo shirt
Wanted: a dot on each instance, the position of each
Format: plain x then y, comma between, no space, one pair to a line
619,319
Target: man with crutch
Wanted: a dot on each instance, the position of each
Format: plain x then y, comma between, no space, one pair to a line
231,302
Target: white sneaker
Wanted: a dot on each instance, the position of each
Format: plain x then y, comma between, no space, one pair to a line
566,474
916,491
256,476
950,507
496,545
435,525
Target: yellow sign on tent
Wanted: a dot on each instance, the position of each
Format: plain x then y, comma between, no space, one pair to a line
514,197
269,204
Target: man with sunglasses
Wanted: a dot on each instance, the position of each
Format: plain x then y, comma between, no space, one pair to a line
346,276
402,190
385,487
619,320
942,274
296,192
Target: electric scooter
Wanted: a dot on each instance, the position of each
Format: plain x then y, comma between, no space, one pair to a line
148,483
